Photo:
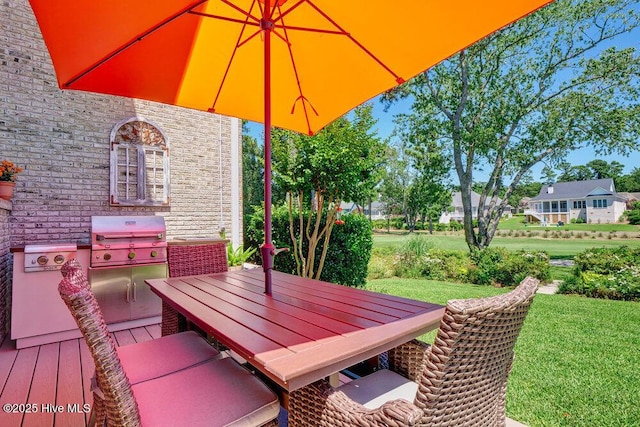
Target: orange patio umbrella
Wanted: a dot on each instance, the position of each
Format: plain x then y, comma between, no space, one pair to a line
294,64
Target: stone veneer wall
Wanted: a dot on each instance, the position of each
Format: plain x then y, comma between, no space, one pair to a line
61,139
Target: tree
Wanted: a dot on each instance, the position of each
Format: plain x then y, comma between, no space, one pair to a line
428,194
522,192
252,174
630,182
574,173
318,172
602,169
394,184
548,175
536,90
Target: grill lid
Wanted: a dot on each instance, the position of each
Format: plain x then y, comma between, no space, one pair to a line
114,229
127,240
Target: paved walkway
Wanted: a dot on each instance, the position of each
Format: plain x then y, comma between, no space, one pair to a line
549,288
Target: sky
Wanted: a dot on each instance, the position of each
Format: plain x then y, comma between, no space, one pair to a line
385,128
576,158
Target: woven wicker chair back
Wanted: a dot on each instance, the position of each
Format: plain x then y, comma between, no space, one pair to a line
121,407
189,260
464,375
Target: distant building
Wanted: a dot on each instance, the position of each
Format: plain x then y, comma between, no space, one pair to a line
456,211
377,209
592,201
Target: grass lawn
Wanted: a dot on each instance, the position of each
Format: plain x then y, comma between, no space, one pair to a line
577,359
515,223
556,248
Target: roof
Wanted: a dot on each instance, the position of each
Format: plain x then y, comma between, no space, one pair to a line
475,199
577,189
630,196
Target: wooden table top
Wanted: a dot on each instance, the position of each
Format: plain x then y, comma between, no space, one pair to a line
306,330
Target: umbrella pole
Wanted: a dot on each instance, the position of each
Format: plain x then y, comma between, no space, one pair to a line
267,250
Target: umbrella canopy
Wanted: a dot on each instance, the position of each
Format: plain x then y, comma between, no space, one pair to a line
295,64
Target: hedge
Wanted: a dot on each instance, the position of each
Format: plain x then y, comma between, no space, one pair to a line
349,247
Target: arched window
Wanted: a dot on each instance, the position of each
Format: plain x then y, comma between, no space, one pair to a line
139,164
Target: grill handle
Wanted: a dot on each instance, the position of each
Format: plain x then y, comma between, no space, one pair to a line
128,292
134,291
101,237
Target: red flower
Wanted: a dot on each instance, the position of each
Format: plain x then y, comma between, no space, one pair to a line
339,221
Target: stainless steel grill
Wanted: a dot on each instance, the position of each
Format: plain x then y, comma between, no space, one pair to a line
128,240
126,251
48,257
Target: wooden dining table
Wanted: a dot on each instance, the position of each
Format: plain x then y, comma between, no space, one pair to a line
305,330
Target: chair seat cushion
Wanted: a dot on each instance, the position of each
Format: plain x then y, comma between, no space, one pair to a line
155,358
372,391
217,393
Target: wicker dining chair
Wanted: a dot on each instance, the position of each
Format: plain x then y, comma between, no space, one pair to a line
211,393
181,351
191,260
460,380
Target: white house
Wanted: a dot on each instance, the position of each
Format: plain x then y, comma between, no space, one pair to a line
593,201
377,209
456,211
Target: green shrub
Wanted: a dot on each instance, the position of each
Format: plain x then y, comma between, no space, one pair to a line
349,251
456,226
498,266
379,224
440,227
611,273
349,248
407,262
450,265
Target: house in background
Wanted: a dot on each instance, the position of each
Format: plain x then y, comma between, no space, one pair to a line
592,201
377,209
456,211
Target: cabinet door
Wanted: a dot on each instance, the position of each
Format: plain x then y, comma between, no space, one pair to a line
144,303
111,286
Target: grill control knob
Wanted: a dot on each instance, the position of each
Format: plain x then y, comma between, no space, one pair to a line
132,255
154,254
43,260
106,257
59,259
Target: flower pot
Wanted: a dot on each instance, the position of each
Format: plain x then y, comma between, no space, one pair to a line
6,189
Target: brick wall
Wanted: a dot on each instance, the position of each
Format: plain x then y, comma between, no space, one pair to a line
5,267
61,139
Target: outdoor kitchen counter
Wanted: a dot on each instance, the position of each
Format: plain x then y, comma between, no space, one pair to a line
186,241
306,330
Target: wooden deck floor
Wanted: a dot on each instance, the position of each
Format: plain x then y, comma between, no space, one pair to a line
49,385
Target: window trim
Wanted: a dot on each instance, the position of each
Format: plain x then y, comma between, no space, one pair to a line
600,203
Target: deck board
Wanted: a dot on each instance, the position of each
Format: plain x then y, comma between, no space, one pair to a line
54,374
43,386
8,356
16,390
69,388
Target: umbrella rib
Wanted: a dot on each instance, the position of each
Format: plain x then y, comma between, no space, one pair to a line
226,18
295,71
399,79
239,43
242,11
132,42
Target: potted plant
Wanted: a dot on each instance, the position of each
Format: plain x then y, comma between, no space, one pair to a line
8,172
